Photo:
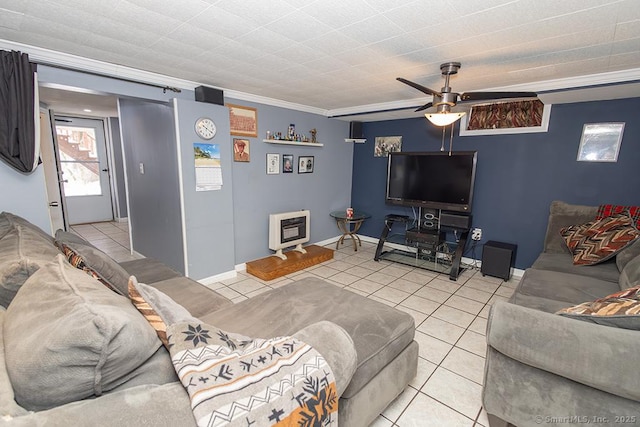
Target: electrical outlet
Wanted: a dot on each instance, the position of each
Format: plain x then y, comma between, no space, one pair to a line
476,234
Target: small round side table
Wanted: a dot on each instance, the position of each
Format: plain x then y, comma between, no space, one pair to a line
349,226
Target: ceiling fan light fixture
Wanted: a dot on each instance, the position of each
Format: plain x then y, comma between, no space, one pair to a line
443,119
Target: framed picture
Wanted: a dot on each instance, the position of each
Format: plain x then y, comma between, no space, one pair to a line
240,150
287,163
273,164
387,144
305,164
600,142
243,121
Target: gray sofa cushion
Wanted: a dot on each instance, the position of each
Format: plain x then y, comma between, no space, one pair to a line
379,332
67,337
627,254
547,305
630,275
8,220
149,270
564,263
22,252
8,405
562,287
92,260
195,297
561,215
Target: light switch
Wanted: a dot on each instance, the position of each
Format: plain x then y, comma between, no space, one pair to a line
141,168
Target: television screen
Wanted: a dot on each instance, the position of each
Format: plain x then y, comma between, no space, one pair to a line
437,180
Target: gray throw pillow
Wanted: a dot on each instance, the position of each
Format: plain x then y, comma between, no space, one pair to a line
22,252
627,254
67,338
83,255
8,406
8,220
630,275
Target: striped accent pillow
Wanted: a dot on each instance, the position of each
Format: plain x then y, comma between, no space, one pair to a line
147,311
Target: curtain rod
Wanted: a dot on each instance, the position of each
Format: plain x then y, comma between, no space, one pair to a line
93,73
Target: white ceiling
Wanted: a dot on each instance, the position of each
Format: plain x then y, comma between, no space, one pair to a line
342,56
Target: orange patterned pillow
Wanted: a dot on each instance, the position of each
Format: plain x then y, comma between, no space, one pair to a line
597,241
620,309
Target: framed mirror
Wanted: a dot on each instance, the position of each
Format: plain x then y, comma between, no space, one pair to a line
600,142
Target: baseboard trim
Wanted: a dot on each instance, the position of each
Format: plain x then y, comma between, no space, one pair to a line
328,241
218,277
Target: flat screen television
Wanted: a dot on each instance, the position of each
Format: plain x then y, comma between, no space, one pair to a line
436,180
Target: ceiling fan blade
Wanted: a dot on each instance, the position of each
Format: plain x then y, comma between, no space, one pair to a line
484,96
419,87
425,106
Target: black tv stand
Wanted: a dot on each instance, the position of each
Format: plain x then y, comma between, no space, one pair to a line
426,247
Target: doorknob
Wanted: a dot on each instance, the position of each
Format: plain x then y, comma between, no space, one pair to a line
54,204
105,170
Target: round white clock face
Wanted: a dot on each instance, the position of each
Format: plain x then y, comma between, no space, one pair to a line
205,128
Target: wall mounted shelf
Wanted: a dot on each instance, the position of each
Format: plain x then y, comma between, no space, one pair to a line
285,142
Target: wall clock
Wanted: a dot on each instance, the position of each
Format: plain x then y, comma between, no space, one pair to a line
205,128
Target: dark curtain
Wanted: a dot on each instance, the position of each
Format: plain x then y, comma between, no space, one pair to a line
17,127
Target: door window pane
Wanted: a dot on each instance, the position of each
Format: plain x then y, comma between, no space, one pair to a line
79,161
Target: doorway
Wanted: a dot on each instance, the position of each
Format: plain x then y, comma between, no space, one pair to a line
81,148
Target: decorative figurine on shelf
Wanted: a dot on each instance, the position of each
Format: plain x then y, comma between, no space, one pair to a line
291,133
313,132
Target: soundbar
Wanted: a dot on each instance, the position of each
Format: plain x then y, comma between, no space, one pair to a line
455,220
425,236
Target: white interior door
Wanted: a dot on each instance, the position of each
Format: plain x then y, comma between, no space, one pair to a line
81,148
51,175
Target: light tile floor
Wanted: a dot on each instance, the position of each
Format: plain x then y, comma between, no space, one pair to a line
450,317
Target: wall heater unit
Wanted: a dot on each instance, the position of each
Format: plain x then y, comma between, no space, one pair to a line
288,229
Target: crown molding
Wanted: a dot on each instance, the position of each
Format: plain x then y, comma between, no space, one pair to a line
243,96
379,107
51,57
578,82
55,58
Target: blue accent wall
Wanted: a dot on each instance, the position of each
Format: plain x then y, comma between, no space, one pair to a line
517,176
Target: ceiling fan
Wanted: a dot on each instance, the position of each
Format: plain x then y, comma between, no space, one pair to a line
445,99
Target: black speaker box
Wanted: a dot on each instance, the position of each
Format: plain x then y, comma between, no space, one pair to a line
355,130
448,219
210,95
497,259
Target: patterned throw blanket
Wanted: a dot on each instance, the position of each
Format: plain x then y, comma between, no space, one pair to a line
233,380
609,210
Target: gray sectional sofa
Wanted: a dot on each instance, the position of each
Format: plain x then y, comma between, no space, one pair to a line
544,368
74,352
